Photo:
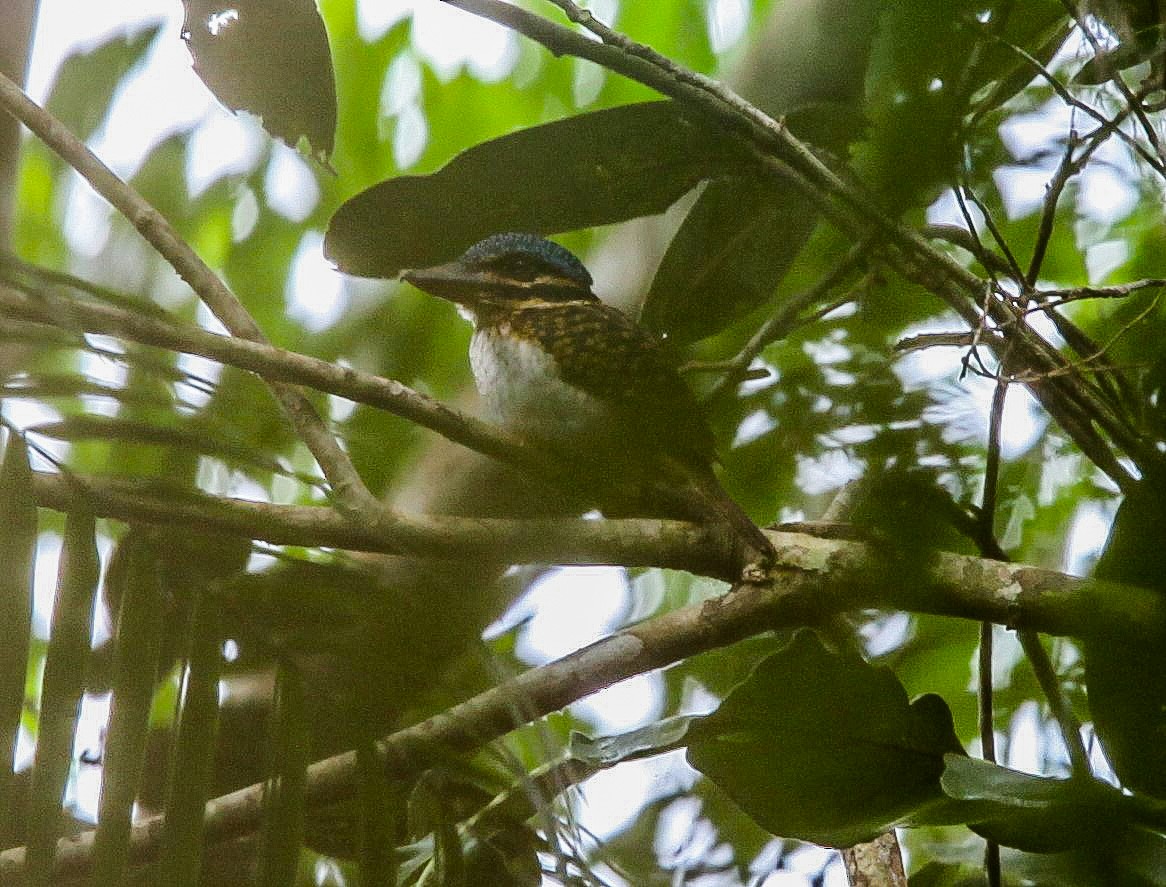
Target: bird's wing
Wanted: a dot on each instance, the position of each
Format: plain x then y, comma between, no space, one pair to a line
603,352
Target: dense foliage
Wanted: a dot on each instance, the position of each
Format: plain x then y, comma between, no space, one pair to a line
913,255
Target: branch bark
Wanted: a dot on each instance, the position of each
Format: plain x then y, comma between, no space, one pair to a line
819,578
275,365
703,549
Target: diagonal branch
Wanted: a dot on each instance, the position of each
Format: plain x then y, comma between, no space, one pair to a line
819,578
334,462
274,365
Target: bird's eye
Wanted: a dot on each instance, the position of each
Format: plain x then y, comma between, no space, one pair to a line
519,267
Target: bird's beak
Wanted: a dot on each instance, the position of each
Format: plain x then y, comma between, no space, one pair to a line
451,281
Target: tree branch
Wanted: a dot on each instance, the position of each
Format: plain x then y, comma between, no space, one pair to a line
333,461
818,578
703,549
276,365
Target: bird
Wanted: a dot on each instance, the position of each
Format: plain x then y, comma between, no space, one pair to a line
556,366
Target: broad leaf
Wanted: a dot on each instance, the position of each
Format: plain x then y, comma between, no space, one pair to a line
86,81
593,169
824,747
1036,813
269,57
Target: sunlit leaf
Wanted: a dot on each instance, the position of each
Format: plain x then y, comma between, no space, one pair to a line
17,550
137,641
86,81
61,689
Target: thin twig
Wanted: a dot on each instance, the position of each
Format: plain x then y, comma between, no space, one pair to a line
1066,169
275,365
1116,78
1059,704
785,319
1072,101
990,223
1054,298
334,462
986,527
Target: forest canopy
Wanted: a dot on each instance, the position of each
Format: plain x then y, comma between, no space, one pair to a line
338,624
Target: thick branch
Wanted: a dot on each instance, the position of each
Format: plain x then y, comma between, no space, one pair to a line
703,549
820,578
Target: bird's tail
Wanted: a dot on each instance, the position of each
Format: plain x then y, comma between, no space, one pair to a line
699,496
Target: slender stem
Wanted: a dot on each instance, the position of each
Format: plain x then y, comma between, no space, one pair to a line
1062,711
334,462
274,365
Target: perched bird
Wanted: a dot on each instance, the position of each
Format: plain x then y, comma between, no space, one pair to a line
554,364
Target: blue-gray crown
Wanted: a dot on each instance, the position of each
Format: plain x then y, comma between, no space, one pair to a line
519,244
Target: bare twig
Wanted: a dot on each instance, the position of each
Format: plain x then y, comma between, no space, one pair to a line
1132,101
1053,298
334,462
1072,101
1059,705
967,239
785,319
276,365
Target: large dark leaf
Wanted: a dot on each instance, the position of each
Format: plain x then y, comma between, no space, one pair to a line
269,57
825,747
740,238
1036,813
593,169
1126,676
728,256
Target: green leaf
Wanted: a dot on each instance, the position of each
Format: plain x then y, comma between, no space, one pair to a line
1127,676
592,169
269,57
61,690
193,760
86,81
283,796
137,641
824,747
728,256
1037,814
17,551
